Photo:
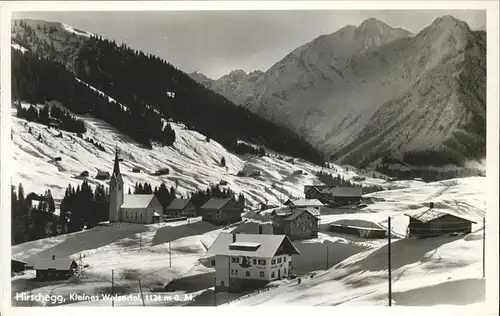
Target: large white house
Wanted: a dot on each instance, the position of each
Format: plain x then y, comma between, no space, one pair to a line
132,208
244,261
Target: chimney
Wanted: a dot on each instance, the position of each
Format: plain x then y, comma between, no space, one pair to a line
431,205
234,237
53,257
260,229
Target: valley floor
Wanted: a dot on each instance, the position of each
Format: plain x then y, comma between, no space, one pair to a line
335,269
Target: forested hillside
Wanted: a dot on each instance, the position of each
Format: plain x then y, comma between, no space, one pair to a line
37,80
140,80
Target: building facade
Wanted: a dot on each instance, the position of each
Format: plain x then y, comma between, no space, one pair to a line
131,208
181,208
50,269
296,223
433,222
247,261
221,211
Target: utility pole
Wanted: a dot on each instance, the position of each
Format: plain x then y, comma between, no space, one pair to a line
142,296
484,246
170,253
389,258
215,293
112,287
327,265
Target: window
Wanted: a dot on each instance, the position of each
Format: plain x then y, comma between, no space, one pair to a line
279,260
272,274
232,271
262,262
284,271
213,262
222,283
235,260
236,272
140,215
273,261
261,274
284,259
247,273
254,261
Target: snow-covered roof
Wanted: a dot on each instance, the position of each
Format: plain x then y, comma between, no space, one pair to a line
298,212
269,245
215,203
342,191
53,263
431,214
137,200
306,202
178,204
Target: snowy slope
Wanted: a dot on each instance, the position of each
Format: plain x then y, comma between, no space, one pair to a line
436,271
430,272
364,90
193,163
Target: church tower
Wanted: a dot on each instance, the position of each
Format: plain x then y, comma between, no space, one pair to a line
115,192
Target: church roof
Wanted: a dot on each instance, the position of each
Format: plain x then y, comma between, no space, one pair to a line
137,200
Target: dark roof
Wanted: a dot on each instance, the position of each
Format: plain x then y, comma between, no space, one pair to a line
178,204
20,261
431,214
215,203
116,168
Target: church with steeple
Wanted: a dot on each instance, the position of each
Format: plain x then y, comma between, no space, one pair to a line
131,208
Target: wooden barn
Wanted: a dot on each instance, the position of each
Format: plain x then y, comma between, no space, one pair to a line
181,208
296,223
102,175
333,195
50,269
17,266
221,211
433,222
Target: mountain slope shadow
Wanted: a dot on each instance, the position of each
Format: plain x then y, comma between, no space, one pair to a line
171,233
403,252
91,239
460,292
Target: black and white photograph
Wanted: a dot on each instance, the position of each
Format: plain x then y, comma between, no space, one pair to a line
233,158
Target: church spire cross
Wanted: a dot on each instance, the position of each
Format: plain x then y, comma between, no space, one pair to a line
116,168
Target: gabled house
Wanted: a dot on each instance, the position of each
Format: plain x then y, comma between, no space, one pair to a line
432,222
246,261
333,195
181,208
221,211
49,269
296,223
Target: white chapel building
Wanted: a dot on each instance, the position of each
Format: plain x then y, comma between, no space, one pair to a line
132,208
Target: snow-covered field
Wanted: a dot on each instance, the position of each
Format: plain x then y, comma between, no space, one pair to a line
436,271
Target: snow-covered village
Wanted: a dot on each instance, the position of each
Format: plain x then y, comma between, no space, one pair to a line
351,172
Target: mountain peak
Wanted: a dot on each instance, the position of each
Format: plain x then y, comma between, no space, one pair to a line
448,21
373,23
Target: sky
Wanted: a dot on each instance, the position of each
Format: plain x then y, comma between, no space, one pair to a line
216,42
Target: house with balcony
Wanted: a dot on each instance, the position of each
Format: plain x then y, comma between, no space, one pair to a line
248,261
